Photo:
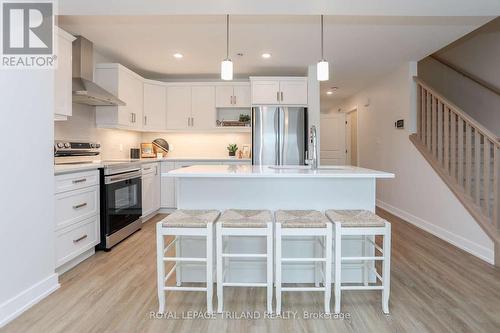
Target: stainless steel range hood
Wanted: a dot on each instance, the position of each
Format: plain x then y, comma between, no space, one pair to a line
85,91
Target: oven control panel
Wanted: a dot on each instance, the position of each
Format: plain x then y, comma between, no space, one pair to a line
76,148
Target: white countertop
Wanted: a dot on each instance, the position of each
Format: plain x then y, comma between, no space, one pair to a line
68,168
259,171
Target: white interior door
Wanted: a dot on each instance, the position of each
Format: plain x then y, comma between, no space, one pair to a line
332,138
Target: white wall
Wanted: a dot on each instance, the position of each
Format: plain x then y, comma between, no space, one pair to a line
417,194
26,191
207,144
478,53
481,104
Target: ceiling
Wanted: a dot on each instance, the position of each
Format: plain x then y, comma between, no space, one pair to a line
360,48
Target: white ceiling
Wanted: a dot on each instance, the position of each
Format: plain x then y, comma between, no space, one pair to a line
360,49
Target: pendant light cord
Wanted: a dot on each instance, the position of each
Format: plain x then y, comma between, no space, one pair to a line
227,36
322,55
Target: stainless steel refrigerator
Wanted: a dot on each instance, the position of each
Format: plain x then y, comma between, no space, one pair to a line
279,135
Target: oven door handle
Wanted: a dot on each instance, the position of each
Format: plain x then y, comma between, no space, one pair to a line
122,177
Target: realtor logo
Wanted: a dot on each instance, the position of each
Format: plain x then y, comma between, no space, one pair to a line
28,34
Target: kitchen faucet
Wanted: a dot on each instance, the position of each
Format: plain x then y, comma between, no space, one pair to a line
312,151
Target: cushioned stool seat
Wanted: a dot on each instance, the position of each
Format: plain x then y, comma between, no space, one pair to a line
301,219
239,218
355,218
185,218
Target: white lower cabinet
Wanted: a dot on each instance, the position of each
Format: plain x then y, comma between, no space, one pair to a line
77,223
72,242
150,189
167,187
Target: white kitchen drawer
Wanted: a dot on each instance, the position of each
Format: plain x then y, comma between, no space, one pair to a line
75,181
150,168
72,242
72,207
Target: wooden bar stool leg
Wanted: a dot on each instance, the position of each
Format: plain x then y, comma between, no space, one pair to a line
338,266
210,271
269,267
278,268
386,268
160,245
328,267
220,270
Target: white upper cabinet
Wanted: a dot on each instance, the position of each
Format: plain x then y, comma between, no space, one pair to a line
203,107
265,92
63,76
191,107
293,92
279,91
224,96
128,87
242,96
178,107
232,96
155,107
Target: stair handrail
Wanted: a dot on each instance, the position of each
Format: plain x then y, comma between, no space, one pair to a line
483,130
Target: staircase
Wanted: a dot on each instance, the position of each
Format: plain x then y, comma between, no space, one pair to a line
464,154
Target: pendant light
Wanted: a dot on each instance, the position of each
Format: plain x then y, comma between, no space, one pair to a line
226,66
322,71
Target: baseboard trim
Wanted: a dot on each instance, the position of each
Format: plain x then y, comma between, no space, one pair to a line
476,250
15,306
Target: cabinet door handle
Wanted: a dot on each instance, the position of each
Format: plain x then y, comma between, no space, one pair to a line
192,121
145,120
278,96
231,100
80,205
234,100
282,96
80,239
189,121
77,181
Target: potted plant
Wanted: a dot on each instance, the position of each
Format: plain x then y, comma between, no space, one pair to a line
232,148
245,118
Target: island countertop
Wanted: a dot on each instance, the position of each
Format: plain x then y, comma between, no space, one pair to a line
264,171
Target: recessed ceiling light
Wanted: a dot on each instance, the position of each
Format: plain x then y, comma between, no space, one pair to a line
329,92
266,55
178,55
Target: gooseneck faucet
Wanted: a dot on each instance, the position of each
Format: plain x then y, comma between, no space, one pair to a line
312,150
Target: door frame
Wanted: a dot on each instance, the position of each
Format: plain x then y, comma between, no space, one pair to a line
348,135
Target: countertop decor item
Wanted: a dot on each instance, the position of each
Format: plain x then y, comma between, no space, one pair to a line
232,148
147,150
161,147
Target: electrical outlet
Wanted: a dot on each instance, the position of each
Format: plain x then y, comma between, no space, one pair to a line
171,147
120,147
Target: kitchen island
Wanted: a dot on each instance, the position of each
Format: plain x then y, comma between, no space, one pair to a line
275,187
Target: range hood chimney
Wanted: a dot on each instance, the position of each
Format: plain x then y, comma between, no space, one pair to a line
85,91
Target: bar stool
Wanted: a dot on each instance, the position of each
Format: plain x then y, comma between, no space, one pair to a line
178,224
367,224
237,222
300,223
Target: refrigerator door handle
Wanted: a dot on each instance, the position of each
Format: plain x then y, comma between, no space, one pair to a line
277,131
283,133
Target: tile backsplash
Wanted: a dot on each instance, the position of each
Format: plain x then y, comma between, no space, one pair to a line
116,143
207,144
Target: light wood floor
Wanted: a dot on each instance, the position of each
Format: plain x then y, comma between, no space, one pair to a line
435,288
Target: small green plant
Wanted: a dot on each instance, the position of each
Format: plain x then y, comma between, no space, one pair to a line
244,118
232,148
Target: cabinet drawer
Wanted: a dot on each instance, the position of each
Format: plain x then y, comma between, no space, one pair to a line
73,242
75,181
74,206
